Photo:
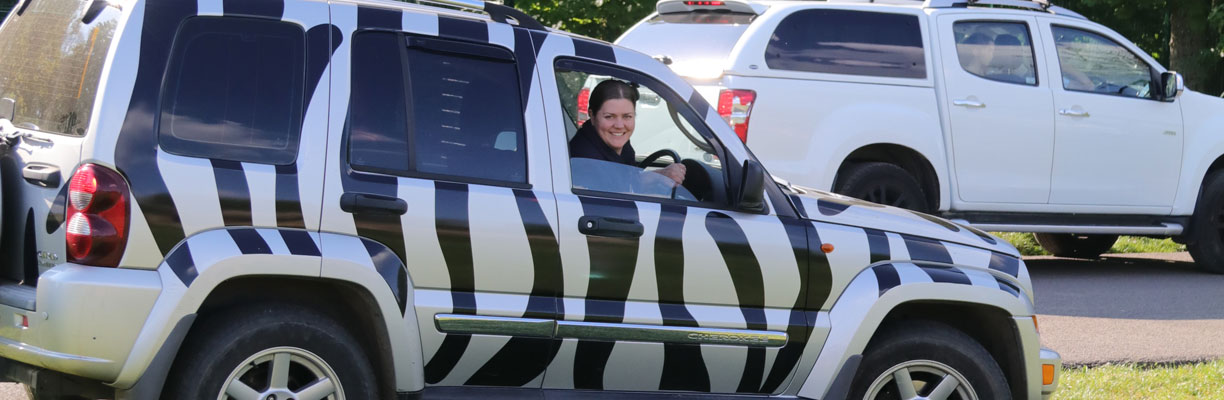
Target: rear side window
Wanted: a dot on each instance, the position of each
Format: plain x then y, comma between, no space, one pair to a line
233,90
848,42
442,109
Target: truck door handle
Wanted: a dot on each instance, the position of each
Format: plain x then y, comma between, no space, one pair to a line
968,103
372,204
40,174
1070,112
610,227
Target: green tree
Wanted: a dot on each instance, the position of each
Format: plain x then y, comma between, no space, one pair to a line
600,19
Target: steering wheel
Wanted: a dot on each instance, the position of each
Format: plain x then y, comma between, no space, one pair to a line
655,156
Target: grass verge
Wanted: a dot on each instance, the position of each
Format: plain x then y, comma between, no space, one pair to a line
1128,381
1027,244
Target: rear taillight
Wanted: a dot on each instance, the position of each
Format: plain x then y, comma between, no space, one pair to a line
735,105
98,211
584,105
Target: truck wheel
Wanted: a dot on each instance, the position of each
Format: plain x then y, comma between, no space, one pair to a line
1075,246
1205,238
928,360
882,183
274,351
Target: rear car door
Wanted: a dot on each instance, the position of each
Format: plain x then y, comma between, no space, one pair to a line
999,104
49,88
667,288
429,173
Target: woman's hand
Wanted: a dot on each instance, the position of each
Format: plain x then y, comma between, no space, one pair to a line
675,172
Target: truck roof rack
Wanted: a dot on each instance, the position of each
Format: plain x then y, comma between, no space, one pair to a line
498,12
1035,5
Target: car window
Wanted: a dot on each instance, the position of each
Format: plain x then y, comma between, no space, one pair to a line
999,51
848,42
1094,63
661,125
234,90
462,118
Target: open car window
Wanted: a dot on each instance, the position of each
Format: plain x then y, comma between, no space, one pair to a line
663,125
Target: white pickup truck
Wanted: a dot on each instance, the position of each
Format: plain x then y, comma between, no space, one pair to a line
1010,115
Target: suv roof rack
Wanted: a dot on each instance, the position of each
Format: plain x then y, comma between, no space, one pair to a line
498,12
1035,5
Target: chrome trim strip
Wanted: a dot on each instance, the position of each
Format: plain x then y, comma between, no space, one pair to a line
1165,229
669,334
503,326
511,326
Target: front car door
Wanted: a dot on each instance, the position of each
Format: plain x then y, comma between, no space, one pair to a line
666,289
999,104
429,172
1117,143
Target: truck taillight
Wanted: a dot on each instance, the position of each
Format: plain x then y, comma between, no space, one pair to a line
735,105
584,105
98,214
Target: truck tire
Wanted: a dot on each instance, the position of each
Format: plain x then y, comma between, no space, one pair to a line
1075,246
882,183
280,350
1205,238
933,357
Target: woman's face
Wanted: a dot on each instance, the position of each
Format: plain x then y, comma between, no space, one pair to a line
614,122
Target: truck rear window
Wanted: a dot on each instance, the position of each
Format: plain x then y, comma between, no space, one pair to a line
51,58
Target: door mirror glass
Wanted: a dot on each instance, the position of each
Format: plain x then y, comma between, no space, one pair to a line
752,189
8,107
1174,84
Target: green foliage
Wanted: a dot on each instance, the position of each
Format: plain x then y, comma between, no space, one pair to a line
1027,244
600,19
1128,381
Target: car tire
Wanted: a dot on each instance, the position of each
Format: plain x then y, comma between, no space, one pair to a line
928,354
1205,238
271,349
1075,246
882,183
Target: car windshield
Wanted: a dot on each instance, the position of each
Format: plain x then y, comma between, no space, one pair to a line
51,56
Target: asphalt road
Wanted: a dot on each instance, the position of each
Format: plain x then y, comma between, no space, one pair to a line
1146,308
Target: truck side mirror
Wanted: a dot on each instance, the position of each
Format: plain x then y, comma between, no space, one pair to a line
1173,83
752,189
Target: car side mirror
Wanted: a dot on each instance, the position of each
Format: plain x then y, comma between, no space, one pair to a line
1173,83
752,189
8,108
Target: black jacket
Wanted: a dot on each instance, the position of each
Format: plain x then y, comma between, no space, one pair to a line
587,144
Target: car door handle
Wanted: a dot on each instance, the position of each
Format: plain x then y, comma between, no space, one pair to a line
968,103
1072,112
40,174
610,227
372,204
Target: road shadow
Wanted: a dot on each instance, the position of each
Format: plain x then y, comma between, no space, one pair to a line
1157,287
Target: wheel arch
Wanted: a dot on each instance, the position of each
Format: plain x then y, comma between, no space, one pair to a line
902,156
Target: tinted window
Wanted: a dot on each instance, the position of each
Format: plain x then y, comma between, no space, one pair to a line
848,42
463,116
1000,51
1094,63
234,90
51,62
378,119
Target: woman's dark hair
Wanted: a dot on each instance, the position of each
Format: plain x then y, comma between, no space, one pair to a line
610,89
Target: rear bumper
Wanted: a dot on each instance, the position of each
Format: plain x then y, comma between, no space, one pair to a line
82,321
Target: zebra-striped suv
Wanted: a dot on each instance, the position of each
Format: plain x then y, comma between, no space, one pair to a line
357,199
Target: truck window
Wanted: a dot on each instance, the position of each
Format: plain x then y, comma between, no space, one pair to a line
848,42
999,51
1094,63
